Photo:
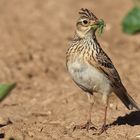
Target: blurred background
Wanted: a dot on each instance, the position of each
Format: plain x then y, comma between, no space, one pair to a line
34,36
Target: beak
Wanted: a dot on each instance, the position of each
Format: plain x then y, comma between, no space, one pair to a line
98,24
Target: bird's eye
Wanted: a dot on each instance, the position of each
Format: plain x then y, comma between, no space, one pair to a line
85,22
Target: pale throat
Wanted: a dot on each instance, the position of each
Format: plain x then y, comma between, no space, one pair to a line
86,34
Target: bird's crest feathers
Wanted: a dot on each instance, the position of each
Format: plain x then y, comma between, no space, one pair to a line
87,14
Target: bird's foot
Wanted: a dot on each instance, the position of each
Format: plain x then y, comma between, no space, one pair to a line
88,126
102,130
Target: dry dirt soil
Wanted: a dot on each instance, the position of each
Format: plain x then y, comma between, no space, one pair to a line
46,104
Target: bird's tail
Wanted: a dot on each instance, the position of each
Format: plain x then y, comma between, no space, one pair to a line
128,101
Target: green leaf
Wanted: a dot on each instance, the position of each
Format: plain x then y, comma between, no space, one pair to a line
101,25
11,138
131,22
5,90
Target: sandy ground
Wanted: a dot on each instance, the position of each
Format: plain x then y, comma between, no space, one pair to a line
34,37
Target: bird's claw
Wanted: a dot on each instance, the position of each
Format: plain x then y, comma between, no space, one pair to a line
102,130
89,125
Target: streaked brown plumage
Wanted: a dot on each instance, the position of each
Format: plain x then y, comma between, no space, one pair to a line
91,68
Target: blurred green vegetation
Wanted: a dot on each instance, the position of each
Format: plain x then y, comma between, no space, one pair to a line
11,138
131,22
5,89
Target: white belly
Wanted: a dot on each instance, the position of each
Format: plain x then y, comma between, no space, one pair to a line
88,77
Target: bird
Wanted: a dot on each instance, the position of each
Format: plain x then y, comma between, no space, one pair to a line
92,69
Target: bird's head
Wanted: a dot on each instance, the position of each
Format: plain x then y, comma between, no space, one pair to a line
88,23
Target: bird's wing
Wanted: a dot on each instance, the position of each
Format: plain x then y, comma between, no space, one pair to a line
103,63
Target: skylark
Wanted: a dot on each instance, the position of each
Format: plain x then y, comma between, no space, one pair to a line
91,69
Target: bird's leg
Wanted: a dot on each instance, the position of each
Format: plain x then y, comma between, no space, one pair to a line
90,111
104,127
88,125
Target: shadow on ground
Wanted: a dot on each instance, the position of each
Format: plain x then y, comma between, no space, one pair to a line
131,119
